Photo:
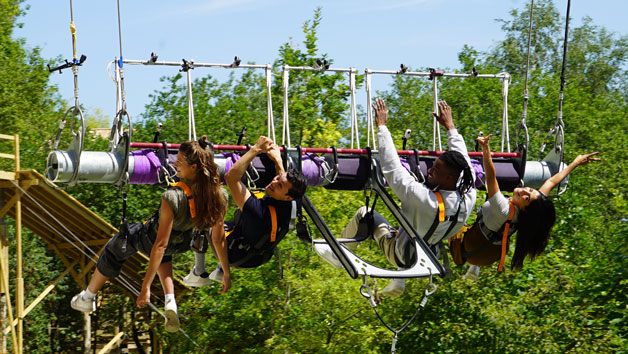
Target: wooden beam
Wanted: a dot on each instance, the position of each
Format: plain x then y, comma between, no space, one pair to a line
4,283
67,264
67,245
7,137
12,201
7,175
41,296
7,156
111,343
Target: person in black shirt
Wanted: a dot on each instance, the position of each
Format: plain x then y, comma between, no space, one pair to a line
253,238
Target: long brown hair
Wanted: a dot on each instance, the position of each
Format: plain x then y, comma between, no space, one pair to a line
208,199
535,223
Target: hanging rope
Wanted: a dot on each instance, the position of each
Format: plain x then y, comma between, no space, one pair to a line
522,125
559,126
505,133
370,128
436,130
76,145
354,118
365,291
186,67
286,121
120,140
124,279
269,105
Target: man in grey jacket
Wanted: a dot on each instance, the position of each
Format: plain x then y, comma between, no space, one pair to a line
450,179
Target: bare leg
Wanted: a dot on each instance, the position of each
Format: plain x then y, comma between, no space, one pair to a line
170,309
97,281
165,277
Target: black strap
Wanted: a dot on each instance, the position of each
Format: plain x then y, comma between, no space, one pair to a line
124,224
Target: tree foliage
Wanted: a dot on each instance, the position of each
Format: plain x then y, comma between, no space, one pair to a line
571,299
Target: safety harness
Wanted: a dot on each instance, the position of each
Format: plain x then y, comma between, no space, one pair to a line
265,246
440,217
188,194
492,237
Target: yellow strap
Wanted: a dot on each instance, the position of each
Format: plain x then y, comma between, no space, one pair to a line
273,223
73,31
441,207
505,236
188,194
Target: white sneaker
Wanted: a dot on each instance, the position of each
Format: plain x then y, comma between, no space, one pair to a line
396,287
194,281
217,274
473,273
80,303
327,254
172,317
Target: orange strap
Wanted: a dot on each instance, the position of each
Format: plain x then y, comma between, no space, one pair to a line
273,222
441,207
188,194
273,217
505,236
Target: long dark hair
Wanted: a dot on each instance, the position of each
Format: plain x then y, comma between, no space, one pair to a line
210,204
534,226
457,163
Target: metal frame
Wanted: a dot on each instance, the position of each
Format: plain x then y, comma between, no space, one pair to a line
427,263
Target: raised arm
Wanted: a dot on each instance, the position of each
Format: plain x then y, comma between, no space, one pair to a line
166,218
239,192
547,187
492,187
407,189
454,140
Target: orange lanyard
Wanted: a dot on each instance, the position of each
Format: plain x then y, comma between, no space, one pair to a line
505,236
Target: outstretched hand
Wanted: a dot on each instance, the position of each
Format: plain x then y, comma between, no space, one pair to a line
585,159
444,117
381,113
484,141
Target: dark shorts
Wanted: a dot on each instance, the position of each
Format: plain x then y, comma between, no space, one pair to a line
470,241
112,257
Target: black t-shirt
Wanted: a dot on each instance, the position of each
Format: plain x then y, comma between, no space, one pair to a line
255,219
254,224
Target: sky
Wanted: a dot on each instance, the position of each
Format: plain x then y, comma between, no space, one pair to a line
363,34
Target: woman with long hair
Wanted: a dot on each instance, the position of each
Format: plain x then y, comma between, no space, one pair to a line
195,203
529,212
